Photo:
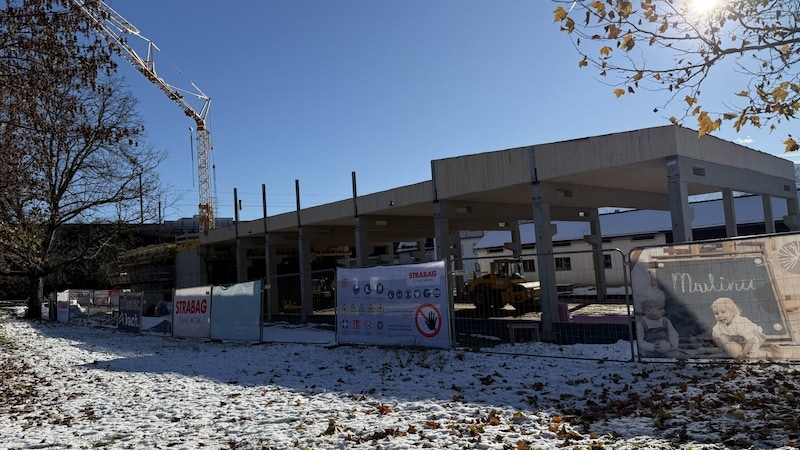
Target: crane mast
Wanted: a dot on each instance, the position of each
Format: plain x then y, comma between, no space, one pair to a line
114,27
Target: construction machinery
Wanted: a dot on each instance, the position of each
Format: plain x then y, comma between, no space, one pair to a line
503,285
114,29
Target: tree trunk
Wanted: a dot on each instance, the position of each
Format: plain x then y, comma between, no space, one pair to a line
35,296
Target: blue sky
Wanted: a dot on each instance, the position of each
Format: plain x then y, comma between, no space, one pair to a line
313,90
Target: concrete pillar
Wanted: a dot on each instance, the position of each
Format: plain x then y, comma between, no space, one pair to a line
730,213
241,261
792,217
680,211
271,275
769,218
546,262
516,244
306,281
595,239
362,243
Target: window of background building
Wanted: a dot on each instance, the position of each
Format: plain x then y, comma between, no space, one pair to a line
563,264
529,265
607,261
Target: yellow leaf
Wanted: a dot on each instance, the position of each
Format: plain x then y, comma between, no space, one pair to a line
628,42
625,8
780,93
791,145
559,14
638,76
605,51
583,62
599,8
706,125
691,100
674,120
743,94
619,92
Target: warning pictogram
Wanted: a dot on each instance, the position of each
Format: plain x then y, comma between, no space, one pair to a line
428,320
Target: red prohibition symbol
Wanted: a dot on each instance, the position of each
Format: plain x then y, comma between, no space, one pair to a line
428,320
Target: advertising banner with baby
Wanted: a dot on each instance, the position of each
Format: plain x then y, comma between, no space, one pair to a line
736,298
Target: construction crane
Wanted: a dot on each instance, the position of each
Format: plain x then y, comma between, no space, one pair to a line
114,28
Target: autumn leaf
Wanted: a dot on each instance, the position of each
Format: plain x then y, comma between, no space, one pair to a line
613,31
690,100
559,14
605,51
706,125
628,42
619,92
570,25
791,145
599,8
583,62
780,93
625,8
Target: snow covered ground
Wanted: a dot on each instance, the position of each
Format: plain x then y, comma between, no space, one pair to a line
69,386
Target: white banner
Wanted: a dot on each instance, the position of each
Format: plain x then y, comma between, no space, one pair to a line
62,307
394,305
192,312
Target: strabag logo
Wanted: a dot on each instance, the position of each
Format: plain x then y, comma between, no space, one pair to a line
423,277
199,306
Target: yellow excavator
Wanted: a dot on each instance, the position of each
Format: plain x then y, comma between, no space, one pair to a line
503,285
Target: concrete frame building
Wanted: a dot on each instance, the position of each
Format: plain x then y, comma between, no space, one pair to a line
656,169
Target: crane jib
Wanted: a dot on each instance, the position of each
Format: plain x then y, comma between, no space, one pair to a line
111,25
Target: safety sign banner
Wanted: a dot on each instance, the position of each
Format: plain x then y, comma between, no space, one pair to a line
394,305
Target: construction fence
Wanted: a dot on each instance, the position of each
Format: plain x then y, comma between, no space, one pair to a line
712,300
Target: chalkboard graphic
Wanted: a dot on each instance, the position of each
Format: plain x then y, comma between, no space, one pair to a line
692,285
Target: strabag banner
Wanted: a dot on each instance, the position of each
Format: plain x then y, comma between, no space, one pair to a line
192,312
394,305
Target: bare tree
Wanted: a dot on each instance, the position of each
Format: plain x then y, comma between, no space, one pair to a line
673,46
72,147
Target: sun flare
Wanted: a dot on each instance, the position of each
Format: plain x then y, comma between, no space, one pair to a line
703,7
